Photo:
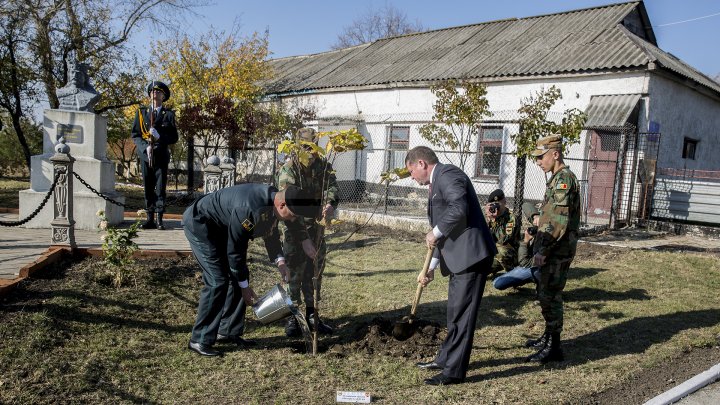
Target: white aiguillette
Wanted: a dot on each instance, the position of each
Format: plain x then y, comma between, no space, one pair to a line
353,397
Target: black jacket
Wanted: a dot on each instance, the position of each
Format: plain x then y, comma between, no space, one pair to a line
165,125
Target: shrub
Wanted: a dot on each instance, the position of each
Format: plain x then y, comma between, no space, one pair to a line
118,249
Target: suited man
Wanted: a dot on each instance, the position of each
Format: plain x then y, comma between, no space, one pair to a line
219,227
152,148
464,250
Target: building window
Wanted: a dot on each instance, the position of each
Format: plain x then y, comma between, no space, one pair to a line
689,147
487,163
398,142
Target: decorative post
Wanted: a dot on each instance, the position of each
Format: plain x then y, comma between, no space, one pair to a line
63,224
212,174
227,178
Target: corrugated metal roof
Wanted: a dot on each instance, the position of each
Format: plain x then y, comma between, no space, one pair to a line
610,110
586,40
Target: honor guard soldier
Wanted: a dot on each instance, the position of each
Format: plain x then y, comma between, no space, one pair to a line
317,178
503,225
555,244
153,131
219,227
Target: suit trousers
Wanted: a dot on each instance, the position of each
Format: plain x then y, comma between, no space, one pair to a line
154,183
465,291
221,308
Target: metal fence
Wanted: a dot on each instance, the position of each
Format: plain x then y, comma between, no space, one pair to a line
614,165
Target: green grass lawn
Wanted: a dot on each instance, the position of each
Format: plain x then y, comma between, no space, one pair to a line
70,337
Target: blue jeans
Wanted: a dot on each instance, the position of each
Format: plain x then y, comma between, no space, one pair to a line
517,277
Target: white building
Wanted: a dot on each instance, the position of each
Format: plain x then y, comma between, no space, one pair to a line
651,116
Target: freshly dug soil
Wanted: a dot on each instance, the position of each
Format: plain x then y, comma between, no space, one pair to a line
378,340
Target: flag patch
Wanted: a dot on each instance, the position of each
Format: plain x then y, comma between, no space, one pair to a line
562,186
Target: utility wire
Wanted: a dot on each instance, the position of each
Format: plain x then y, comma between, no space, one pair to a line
684,21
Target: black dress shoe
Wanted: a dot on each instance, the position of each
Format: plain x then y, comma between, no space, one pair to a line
160,226
430,365
442,379
235,339
203,350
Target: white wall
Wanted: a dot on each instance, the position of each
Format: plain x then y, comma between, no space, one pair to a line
684,112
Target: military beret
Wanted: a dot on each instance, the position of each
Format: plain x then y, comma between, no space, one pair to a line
529,210
547,143
305,134
496,195
301,202
159,86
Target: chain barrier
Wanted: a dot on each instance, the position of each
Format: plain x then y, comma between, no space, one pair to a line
37,210
180,201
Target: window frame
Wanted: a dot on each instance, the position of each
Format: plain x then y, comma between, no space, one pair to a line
483,143
392,147
689,143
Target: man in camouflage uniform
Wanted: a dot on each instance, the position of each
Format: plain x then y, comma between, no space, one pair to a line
319,172
555,244
502,225
524,272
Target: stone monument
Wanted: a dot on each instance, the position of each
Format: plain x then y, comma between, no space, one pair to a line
86,134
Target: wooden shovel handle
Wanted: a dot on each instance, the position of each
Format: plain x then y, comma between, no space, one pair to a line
423,272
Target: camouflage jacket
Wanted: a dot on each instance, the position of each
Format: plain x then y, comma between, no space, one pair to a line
559,218
309,178
505,230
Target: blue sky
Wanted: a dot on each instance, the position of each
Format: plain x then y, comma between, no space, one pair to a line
303,27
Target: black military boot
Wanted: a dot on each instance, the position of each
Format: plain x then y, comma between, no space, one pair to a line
160,225
322,327
150,223
538,343
292,329
551,351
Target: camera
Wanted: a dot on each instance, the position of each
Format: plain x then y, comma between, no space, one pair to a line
532,231
493,207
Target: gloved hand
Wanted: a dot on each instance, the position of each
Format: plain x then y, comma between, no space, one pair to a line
149,151
155,134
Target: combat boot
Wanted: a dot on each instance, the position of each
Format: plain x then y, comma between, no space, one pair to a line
292,329
538,343
551,351
322,327
160,225
150,223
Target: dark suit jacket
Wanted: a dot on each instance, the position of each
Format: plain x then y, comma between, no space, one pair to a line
455,209
233,216
165,125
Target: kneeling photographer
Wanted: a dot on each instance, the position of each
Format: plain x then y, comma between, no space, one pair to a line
524,272
502,223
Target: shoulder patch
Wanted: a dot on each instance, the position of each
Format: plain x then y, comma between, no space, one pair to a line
562,186
509,227
248,225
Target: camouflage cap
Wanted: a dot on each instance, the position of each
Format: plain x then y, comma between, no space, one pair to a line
529,210
305,134
547,143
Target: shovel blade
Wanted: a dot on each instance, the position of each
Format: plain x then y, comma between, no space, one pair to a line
404,329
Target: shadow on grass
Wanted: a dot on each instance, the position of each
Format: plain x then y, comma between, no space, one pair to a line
629,337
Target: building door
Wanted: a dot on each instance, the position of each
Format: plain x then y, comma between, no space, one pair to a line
602,156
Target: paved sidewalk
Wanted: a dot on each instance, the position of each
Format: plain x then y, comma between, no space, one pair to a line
21,246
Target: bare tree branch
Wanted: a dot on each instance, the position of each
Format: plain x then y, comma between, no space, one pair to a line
376,24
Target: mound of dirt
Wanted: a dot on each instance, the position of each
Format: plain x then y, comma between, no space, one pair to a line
378,340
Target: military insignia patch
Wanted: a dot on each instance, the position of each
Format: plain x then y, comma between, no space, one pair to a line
509,228
562,186
248,225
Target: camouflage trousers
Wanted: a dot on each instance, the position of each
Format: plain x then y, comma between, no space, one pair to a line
550,287
302,270
505,259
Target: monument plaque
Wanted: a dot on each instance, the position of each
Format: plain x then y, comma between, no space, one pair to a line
71,133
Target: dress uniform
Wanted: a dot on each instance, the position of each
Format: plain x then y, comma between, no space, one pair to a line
318,178
219,227
555,244
152,149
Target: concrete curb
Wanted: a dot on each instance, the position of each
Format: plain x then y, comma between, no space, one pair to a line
688,387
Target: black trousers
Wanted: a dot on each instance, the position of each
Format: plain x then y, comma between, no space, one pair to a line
154,183
221,308
465,290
